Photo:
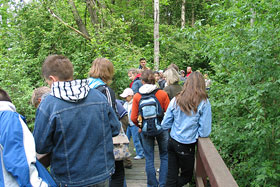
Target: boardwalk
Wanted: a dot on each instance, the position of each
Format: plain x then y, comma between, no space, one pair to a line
136,177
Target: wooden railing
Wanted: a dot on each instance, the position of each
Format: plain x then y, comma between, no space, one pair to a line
211,167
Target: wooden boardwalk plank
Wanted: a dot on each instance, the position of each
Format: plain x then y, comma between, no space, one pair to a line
136,177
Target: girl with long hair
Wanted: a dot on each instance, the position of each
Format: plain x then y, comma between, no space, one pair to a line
189,117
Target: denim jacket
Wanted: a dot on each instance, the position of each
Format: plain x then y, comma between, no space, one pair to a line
186,129
78,131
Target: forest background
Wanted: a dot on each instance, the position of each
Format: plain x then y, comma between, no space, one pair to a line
235,42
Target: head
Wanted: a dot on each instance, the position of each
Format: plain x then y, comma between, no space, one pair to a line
173,66
160,74
192,94
132,73
37,95
102,68
57,68
156,74
148,77
205,76
4,96
182,73
142,62
171,76
127,94
189,69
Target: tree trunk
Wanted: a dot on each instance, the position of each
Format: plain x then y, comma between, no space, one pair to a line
101,9
91,5
193,16
156,34
78,19
252,20
183,18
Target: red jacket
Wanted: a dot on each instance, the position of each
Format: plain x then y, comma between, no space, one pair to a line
137,76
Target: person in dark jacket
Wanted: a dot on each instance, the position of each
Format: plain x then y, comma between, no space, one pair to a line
161,81
75,124
172,78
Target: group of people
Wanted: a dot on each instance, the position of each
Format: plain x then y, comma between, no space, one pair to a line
76,121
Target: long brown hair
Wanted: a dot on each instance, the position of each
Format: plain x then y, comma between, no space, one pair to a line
192,94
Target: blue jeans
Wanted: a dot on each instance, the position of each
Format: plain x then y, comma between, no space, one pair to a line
148,146
102,184
133,131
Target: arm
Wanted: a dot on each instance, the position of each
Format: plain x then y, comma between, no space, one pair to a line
164,100
43,131
168,119
135,86
135,108
115,124
19,154
205,120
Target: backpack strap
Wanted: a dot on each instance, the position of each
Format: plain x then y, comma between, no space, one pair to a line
110,95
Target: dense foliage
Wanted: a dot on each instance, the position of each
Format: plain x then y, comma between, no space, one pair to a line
236,42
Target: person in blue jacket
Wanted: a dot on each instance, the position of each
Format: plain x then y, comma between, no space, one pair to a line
19,166
189,117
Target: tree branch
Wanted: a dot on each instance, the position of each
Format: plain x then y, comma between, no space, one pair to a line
61,21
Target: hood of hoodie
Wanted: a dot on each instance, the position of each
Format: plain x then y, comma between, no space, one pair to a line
6,105
71,91
147,88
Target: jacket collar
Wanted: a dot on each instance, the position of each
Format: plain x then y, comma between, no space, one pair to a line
6,105
147,88
95,82
72,91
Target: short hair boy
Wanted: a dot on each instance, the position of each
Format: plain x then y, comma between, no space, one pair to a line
69,125
142,64
18,155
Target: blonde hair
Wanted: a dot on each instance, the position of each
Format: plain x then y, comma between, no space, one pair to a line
102,68
172,76
133,71
37,95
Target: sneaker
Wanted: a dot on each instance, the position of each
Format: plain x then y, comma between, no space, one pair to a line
138,157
